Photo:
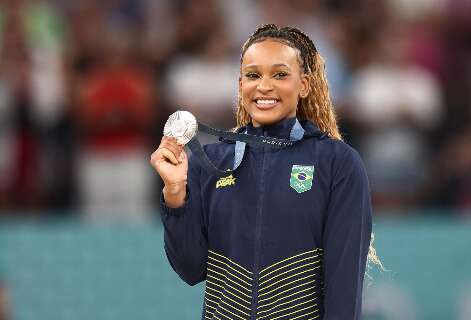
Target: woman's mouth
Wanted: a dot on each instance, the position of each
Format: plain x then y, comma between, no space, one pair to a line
266,103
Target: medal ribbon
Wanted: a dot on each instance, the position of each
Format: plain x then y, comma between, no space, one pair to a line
241,140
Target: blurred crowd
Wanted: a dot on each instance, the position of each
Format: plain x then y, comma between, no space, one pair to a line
86,86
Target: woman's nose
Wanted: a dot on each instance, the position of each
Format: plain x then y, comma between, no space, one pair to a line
264,85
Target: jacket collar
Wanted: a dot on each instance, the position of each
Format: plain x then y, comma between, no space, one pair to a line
282,129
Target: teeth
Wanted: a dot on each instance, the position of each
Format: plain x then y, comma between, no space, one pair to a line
266,101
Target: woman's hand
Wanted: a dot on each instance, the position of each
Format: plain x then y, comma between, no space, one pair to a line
171,163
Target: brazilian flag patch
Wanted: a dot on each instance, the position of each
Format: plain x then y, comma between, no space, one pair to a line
301,178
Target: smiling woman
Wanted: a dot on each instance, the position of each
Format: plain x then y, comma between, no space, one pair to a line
287,234
271,82
315,104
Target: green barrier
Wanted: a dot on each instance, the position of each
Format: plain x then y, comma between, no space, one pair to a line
70,270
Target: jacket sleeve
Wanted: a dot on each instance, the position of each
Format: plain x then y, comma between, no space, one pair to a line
346,238
185,233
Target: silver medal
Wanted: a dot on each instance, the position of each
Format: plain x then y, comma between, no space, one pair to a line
181,125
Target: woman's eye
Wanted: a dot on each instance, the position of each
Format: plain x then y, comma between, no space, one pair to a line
251,75
280,75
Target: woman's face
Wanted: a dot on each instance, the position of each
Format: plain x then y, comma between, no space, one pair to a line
271,82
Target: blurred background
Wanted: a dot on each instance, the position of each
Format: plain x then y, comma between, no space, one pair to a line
86,86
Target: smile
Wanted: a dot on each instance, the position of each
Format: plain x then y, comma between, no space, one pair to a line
266,103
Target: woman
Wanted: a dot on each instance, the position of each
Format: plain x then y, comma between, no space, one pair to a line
287,235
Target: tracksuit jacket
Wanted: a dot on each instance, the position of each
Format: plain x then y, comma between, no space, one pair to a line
285,237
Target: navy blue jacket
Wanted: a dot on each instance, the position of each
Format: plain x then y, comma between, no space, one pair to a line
266,248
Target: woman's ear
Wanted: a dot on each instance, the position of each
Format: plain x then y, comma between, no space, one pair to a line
304,92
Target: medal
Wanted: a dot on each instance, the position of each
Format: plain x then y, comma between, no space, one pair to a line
181,125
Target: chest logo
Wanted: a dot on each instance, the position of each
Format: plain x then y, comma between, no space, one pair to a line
301,178
226,181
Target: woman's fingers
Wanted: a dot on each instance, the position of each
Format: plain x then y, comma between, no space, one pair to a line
167,154
172,145
169,150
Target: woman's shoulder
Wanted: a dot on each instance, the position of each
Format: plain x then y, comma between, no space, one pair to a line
337,151
340,147
323,144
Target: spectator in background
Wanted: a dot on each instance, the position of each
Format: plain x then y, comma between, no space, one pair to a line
397,104
450,184
160,36
86,22
188,87
456,31
114,110
194,39
196,20
240,19
6,135
21,161
32,98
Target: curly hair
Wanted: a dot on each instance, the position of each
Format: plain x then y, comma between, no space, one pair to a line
317,106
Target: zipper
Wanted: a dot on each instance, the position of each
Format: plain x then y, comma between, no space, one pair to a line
258,235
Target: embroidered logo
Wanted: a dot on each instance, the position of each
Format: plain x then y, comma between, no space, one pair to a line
225,181
301,178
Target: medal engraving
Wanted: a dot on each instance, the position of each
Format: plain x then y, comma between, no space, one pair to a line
181,125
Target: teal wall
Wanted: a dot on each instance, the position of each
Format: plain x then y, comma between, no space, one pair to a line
429,263
70,270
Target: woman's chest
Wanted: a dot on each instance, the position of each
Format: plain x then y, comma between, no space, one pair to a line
282,192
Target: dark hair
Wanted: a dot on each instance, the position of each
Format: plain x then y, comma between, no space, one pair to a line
293,37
